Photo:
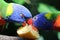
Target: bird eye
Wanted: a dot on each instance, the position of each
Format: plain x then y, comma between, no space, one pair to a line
22,15
35,18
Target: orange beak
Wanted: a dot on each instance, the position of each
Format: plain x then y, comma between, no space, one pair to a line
30,22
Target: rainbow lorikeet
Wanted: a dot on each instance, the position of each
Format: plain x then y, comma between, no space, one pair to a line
47,21
14,14
43,21
20,13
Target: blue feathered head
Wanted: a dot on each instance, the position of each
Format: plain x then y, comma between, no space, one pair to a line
19,13
43,21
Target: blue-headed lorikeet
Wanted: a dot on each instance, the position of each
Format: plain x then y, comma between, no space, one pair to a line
12,11
14,14
47,21
43,21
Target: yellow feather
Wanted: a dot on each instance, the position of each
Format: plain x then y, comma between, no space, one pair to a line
48,15
9,10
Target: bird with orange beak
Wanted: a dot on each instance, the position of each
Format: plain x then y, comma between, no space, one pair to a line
15,15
